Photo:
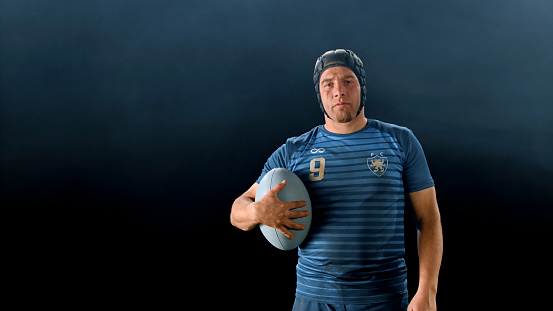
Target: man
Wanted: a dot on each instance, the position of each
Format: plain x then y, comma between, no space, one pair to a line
356,172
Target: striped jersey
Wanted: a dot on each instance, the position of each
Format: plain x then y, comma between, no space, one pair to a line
357,182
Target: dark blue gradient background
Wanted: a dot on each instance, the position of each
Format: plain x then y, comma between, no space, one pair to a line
129,127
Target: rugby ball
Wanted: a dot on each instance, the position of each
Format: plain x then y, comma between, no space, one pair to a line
294,191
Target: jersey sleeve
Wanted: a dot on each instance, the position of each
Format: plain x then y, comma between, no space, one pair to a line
416,174
276,160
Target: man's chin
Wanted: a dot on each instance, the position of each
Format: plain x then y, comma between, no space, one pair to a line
344,117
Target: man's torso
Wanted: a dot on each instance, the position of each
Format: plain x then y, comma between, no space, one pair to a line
355,247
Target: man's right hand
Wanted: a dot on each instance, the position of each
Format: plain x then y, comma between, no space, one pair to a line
270,211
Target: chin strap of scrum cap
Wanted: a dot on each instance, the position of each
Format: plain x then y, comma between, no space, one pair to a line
343,58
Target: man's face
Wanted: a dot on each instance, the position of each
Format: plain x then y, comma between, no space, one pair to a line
340,93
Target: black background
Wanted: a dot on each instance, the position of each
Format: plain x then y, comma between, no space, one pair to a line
129,127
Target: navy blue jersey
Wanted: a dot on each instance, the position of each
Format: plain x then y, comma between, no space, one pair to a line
354,251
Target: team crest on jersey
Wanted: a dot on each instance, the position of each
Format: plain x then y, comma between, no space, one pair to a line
378,164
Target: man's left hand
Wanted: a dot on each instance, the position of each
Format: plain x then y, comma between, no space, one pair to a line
423,302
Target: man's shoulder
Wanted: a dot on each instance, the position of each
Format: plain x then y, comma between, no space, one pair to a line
304,138
388,127
399,133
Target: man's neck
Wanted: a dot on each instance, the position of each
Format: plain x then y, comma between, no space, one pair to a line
345,128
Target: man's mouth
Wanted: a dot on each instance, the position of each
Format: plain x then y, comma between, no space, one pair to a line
341,105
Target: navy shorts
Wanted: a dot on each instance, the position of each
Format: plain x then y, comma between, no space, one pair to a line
301,304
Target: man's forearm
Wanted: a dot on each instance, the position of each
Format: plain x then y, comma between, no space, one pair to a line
430,246
240,215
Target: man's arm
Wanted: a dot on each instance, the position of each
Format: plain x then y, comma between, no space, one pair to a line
269,210
241,215
430,246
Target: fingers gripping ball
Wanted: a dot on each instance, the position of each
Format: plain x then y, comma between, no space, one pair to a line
294,191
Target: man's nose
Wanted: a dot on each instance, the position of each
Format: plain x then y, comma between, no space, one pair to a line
340,90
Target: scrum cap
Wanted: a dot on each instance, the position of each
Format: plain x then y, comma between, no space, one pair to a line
344,58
